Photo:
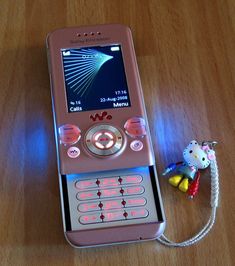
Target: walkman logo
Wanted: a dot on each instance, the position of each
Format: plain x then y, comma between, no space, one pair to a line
100,117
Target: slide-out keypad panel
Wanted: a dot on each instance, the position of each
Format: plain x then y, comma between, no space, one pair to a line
111,198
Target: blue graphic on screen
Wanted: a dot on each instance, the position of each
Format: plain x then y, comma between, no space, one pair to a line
95,78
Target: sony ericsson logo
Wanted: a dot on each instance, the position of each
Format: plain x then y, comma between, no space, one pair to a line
89,40
100,117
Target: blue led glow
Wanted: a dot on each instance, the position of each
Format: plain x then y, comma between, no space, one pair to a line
81,67
138,170
38,145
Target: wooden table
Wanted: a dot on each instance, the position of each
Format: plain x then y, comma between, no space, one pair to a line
185,51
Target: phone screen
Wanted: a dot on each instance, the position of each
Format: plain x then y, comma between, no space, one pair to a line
95,78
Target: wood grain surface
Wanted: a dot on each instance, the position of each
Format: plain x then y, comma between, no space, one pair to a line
186,56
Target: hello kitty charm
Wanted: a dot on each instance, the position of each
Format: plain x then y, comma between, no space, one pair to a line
187,173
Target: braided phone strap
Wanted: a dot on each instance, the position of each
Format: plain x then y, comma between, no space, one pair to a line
214,204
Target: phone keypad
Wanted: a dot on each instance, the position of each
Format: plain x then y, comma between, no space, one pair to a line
110,199
101,200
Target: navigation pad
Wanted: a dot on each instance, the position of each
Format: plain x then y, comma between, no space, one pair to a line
104,140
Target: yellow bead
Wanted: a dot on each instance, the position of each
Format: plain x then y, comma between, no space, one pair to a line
174,180
184,185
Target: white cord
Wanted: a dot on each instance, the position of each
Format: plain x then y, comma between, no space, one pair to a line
214,204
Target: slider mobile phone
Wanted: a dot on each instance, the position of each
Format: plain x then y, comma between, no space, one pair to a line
108,182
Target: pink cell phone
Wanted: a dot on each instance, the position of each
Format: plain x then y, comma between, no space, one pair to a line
107,176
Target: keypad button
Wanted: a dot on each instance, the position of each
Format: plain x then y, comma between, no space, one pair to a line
112,204
128,191
136,145
73,152
131,179
91,183
87,195
135,127
134,202
90,218
69,134
91,206
108,182
106,193
113,216
137,213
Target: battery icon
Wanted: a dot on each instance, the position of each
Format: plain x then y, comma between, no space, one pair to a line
115,48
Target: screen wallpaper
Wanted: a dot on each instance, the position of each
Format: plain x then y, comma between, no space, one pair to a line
95,78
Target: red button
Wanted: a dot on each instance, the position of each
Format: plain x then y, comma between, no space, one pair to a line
120,180
122,191
69,134
125,214
102,217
